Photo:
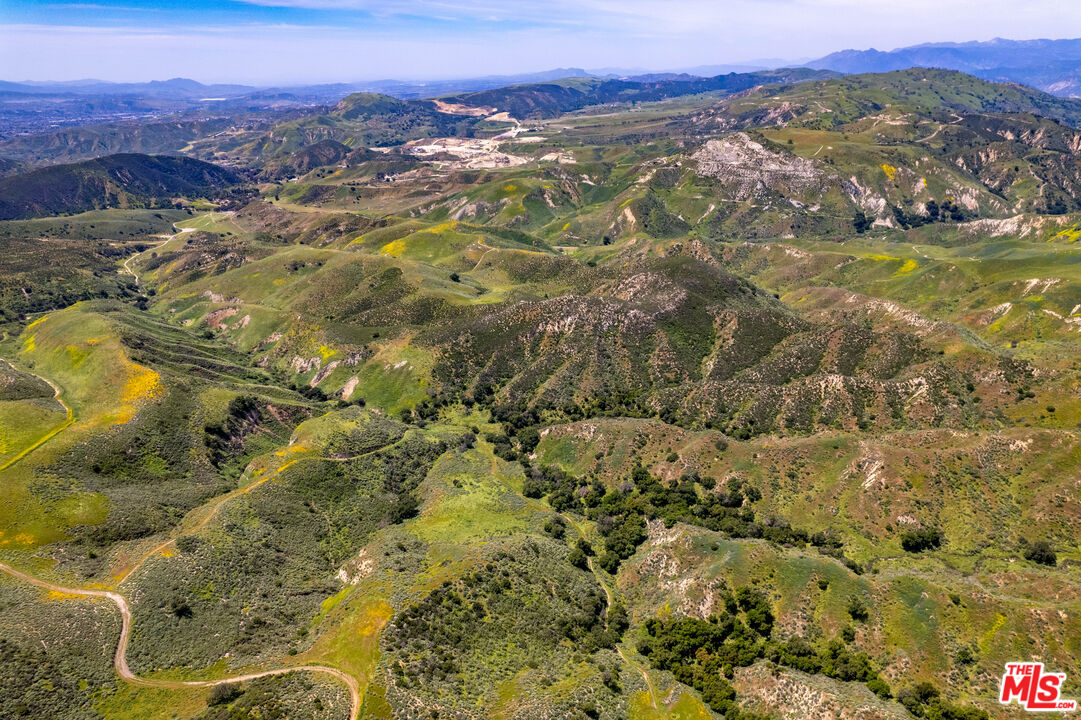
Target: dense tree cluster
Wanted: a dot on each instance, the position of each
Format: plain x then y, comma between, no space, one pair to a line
703,653
621,513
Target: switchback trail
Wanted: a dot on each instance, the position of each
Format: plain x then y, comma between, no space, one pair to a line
120,659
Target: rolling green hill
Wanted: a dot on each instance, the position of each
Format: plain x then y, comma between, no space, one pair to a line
121,181
833,102
717,405
75,144
541,100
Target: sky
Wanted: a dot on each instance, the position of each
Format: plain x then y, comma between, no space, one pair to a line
274,42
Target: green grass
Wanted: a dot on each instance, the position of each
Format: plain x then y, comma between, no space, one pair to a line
885,387
471,500
215,222
24,423
96,225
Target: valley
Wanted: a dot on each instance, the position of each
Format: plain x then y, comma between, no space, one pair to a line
742,397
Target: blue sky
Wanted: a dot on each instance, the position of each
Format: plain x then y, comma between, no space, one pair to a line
294,41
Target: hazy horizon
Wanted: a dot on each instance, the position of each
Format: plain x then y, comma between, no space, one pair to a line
275,42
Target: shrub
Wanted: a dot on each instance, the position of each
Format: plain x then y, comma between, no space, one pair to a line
1041,552
187,543
224,693
857,608
578,559
916,541
924,700
879,687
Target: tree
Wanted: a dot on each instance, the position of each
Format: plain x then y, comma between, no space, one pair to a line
857,608
1041,552
757,610
180,608
224,693
916,541
578,559
405,507
555,527
879,687
609,561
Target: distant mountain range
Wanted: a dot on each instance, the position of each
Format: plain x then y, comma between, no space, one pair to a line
174,89
185,89
1053,66
33,108
1050,65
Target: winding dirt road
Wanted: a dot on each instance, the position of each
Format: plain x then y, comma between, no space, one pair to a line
155,246
120,659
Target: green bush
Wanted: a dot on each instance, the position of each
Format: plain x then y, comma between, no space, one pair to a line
915,541
1041,552
224,693
857,608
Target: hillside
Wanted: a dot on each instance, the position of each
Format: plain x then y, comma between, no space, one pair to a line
927,90
9,167
545,100
122,181
723,405
178,135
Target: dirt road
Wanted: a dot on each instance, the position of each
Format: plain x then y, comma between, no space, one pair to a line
120,659
155,246
52,433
